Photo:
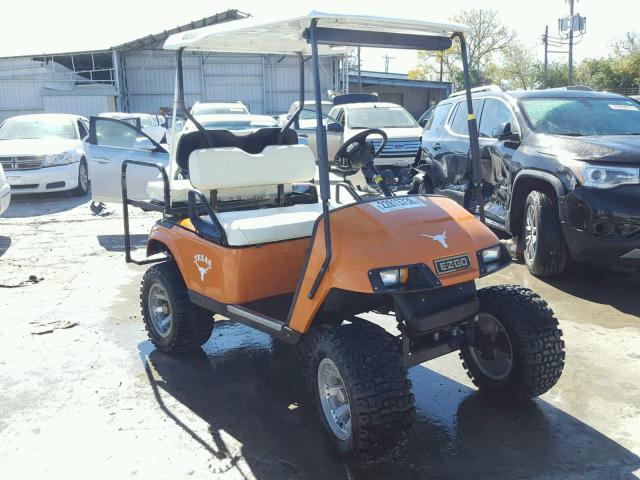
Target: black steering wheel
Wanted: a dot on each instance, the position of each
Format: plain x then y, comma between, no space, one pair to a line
357,153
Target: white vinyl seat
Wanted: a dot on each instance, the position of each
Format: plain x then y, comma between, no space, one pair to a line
237,175
180,192
252,227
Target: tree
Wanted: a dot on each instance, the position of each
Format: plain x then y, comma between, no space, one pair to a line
487,38
520,69
557,75
629,43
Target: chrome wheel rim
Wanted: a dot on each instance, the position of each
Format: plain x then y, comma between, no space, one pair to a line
159,309
84,177
334,399
497,363
530,234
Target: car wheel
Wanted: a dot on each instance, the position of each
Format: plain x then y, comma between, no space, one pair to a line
545,251
517,351
83,179
361,389
173,323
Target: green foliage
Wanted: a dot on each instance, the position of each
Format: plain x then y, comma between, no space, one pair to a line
495,56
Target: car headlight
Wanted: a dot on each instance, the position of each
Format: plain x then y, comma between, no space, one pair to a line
393,277
57,159
604,176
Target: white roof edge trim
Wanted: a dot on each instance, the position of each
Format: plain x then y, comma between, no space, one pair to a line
252,35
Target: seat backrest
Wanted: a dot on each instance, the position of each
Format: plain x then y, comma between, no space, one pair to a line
230,169
249,141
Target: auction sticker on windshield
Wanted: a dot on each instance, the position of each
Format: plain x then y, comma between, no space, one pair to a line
398,203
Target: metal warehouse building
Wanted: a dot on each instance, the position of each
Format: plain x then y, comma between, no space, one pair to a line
139,76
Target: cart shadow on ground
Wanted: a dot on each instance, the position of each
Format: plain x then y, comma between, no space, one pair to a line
115,243
244,385
39,204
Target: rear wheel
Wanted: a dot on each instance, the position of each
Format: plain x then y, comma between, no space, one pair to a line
360,386
517,350
173,323
545,251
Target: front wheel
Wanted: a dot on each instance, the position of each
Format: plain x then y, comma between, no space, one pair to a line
361,390
83,180
545,251
173,323
516,350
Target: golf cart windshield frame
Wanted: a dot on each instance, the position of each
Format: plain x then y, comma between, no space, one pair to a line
316,36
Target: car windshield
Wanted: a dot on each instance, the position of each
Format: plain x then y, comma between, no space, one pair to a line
583,116
309,111
205,109
381,117
24,128
239,125
148,122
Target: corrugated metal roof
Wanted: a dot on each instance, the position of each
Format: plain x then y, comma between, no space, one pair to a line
156,40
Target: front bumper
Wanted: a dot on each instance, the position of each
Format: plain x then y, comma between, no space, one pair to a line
386,162
47,179
5,197
603,226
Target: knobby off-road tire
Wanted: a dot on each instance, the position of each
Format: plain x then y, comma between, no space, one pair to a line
549,255
535,340
381,403
190,325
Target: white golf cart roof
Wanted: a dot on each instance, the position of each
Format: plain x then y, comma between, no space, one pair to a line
251,35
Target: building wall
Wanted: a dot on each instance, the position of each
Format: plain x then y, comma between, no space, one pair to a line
415,100
85,105
28,86
267,84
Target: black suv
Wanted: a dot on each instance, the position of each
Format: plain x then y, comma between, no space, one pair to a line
560,171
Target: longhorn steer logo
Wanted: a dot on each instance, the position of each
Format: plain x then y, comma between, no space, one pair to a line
203,264
441,238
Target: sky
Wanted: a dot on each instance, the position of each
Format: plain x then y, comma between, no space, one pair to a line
53,26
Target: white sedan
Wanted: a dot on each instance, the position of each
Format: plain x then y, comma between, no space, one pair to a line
5,192
45,153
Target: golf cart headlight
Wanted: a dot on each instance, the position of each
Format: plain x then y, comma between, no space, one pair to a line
493,258
57,159
491,254
393,277
604,176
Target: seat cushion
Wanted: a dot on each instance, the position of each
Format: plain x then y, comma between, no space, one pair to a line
180,191
252,227
230,168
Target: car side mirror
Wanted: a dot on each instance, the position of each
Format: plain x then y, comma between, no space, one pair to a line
143,143
335,127
504,133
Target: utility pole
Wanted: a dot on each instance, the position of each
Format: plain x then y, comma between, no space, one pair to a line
545,40
570,76
386,62
441,66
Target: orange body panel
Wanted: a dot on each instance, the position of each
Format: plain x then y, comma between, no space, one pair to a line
364,238
234,275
